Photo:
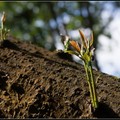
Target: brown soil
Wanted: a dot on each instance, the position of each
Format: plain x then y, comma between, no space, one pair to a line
37,83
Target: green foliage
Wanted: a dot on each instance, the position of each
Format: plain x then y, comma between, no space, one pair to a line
84,51
23,16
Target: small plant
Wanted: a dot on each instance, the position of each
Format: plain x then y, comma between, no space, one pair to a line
84,51
3,31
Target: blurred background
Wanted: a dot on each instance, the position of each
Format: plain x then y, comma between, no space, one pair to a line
41,23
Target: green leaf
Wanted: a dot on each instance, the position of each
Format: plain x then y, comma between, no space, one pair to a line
72,52
86,57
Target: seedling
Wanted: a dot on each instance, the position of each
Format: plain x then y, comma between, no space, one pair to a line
3,31
84,51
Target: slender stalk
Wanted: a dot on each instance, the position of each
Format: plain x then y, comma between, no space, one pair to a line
89,83
1,34
93,87
2,25
1,30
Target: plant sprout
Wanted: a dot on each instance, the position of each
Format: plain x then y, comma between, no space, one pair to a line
3,31
84,51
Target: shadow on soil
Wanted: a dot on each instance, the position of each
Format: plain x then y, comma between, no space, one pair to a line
104,111
8,44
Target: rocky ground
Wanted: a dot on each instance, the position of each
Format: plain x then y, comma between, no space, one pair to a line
37,83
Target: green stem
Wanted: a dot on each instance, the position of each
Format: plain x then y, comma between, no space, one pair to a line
1,24
89,83
1,30
93,86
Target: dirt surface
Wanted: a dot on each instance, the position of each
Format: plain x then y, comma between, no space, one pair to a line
37,83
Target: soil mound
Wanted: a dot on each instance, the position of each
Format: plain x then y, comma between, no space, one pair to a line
37,83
